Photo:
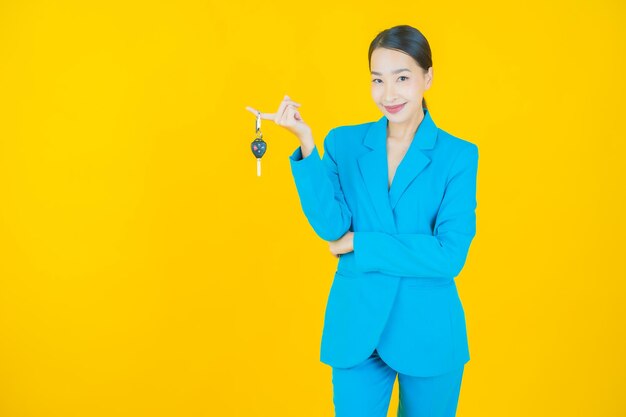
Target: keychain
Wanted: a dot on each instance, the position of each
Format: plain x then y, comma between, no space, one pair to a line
258,145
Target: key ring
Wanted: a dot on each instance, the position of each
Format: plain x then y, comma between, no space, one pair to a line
258,145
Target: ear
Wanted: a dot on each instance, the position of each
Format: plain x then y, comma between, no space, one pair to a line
428,76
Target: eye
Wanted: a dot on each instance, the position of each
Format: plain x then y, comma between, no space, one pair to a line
378,79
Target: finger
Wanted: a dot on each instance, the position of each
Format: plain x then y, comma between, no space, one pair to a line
287,115
287,98
293,103
281,109
267,116
290,113
286,118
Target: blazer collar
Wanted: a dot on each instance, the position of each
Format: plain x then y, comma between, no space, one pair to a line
374,168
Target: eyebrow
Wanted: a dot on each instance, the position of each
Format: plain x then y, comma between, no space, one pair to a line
393,72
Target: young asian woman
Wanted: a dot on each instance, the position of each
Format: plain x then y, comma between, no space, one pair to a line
395,198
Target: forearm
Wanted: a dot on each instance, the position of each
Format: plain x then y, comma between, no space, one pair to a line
306,145
416,255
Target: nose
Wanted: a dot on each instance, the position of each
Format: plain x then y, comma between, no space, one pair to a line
390,94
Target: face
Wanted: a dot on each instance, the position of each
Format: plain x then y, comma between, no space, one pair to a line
398,79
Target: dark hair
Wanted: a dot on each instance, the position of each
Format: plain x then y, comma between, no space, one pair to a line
406,39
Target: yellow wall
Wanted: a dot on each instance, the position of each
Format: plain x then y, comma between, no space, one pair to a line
146,271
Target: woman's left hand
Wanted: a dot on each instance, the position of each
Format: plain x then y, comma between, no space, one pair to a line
342,245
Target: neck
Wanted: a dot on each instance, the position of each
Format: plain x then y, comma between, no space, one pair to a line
404,132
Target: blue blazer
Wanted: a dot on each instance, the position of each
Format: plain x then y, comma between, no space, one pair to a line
396,290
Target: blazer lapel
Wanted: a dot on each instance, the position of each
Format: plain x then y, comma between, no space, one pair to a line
414,160
374,166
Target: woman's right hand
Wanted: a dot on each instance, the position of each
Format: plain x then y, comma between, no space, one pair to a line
288,116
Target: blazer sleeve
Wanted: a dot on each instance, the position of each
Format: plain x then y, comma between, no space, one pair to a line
319,189
442,254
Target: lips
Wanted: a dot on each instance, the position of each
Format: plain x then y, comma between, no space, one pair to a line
395,109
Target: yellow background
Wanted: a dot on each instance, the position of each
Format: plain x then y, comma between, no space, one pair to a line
147,271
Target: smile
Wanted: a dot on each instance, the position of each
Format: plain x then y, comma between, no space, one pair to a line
395,109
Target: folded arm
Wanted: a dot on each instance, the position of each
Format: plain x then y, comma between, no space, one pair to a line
442,254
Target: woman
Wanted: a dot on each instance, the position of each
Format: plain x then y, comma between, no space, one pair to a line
396,200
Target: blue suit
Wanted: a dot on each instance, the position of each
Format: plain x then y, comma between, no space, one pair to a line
396,291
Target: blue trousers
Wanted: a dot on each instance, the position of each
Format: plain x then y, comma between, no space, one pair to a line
365,390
